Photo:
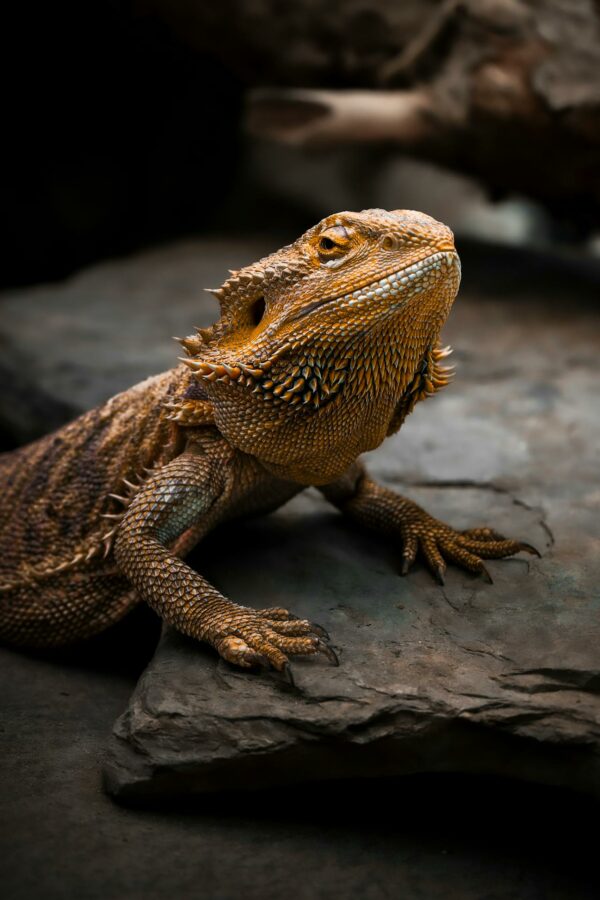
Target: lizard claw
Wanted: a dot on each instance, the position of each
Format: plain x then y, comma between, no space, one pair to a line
288,675
485,573
259,660
529,548
318,629
329,652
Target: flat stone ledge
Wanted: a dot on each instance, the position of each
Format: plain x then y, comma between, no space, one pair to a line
470,677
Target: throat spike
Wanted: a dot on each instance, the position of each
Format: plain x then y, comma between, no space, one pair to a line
193,364
204,333
191,344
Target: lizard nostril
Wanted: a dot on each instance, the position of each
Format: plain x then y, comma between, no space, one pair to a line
389,242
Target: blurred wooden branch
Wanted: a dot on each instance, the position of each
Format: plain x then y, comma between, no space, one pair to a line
321,117
505,90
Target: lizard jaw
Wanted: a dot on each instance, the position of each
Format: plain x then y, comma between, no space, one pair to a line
399,285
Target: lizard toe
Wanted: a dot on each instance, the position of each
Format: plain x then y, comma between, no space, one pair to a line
493,549
236,651
433,558
303,646
298,628
409,552
462,557
277,614
482,534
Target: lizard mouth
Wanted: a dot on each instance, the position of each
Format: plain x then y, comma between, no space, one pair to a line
398,286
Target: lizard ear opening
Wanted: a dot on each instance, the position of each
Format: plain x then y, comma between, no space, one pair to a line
257,311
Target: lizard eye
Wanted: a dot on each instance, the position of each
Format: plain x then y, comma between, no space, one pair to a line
333,243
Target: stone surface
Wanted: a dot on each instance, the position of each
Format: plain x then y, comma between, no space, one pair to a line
470,677
473,677
62,837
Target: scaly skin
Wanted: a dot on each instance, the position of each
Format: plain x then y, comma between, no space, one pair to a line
321,350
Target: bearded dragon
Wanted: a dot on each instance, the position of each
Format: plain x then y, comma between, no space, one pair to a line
321,350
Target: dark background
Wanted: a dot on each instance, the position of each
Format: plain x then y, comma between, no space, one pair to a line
123,128
116,136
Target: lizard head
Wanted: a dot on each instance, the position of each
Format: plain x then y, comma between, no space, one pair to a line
325,346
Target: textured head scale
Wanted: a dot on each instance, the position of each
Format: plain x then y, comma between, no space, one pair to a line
324,347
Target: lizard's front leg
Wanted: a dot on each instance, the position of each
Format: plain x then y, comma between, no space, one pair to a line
379,508
170,502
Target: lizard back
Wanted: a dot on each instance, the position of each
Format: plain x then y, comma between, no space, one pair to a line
54,493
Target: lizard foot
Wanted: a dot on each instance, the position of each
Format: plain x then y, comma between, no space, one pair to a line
265,637
438,543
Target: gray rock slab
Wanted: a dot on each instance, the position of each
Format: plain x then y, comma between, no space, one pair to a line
473,677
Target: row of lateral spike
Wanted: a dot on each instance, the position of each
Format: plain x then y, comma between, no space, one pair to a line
440,375
248,375
239,278
287,391
125,499
189,412
223,372
238,372
101,545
